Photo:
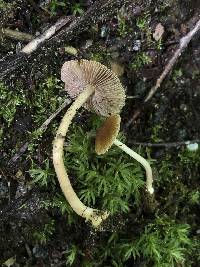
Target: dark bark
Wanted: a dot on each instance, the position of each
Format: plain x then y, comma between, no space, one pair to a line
97,12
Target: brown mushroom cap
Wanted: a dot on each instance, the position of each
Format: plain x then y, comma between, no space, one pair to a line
107,133
109,96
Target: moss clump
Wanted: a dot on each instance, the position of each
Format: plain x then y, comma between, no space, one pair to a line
11,100
113,184
46,99
140,60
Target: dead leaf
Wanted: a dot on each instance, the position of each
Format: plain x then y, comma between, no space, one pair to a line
10,262
158,33
71,50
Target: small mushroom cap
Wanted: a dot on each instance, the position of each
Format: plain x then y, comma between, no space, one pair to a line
109,96
107,133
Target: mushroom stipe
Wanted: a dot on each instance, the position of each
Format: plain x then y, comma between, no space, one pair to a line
142,161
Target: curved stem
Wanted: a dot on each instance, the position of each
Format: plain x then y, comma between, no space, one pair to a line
141,160
95,216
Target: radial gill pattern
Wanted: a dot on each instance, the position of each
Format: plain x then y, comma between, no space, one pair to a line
109,95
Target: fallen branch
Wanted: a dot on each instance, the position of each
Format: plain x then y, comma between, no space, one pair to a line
183,43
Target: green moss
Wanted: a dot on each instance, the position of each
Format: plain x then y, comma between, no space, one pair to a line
45,102
156,133
4,6
189,158
164,242
71,254
42,176
194,197
46,99
59,202
77,9
55,5
11,100
42,236
122,26
98,56
139,61
143,21
177,74
114,180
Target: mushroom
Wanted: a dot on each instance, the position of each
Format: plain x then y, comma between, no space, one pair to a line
106,136
99,90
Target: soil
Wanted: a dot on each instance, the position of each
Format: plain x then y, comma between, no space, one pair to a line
172,115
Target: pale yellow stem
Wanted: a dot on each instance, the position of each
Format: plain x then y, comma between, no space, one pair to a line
95,216
141,160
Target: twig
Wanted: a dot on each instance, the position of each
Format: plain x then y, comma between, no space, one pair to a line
170,144
18,154
183,43
41,129
17,35
38,41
